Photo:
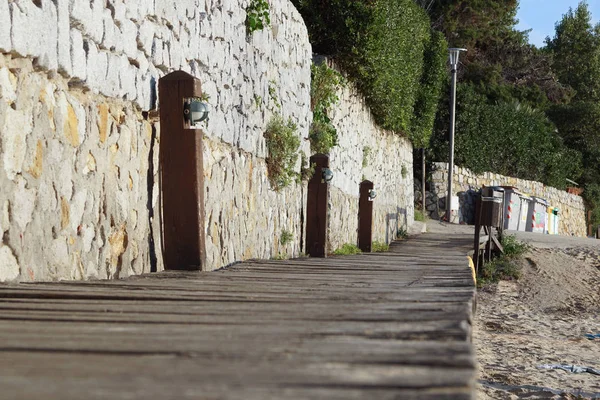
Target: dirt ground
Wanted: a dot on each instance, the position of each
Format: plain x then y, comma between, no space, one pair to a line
541,319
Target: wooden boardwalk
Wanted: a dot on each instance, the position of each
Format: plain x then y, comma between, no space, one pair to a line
391,325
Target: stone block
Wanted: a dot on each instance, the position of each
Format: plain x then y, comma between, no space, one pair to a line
129,33
15,129
4,217
145,37
9,267
44,47
64,37
23,204
5,23
97,65
8,86
78,55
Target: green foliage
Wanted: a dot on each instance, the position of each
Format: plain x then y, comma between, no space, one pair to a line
576,49
499,269
280,257
429,90
592,196
282,145
286,237
404,171
419,216
513,247
385,47
323,94
257,15
508,138
347,249
379,247
306,171
366,155
506,266
401,234
273,93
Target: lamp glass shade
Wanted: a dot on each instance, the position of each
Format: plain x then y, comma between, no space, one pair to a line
327,175
454,55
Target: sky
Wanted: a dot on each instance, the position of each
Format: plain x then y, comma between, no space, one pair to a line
541,15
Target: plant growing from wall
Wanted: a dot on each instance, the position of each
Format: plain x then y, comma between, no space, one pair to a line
404,171
257,15
323,94
286,237
347,249
379,247
366,155
282,146
387,48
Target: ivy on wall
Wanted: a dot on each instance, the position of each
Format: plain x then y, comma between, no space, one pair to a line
388,49
325,83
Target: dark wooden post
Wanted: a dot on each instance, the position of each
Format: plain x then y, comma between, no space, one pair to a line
182,176
316,208
423,176
365,217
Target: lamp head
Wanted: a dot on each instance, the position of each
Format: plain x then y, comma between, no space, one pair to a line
195,110
327,175
455,54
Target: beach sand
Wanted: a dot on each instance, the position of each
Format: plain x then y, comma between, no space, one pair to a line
541,319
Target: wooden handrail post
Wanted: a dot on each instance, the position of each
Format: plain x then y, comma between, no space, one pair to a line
365,217
316,208
182,175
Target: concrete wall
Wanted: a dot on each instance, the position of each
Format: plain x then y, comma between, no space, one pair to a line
572,208
79,163
387,155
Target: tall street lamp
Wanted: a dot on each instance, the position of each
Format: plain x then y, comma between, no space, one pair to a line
454,55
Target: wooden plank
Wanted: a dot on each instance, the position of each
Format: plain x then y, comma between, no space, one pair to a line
393,325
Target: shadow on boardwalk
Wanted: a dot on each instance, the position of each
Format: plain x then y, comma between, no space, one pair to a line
391,325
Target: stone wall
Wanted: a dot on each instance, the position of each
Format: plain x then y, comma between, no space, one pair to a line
78,160
572,209
365,151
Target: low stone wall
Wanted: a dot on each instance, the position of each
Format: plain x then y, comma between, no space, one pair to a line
572,208
365,151
78,161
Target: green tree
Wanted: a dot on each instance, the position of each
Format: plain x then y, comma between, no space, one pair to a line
576,53
576,49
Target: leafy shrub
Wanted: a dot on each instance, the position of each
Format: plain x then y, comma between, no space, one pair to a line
419,216
507,138
513,247
286,237
323,94
378,247
499,269
401,233
383,46
282,146
257,15
347,249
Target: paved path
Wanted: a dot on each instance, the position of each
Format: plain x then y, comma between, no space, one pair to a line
374,326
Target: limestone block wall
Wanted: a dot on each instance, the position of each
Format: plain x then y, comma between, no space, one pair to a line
78,160
572,208
365,151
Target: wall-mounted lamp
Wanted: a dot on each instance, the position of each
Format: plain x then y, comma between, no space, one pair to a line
372,195
195,110
327,175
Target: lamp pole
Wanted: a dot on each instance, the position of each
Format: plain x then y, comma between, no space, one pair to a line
454,55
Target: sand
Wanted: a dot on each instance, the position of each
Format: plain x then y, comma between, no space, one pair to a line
541,319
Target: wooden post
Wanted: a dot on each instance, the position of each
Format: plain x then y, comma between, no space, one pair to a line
477,237
316,208
365,217
423,176
182,176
